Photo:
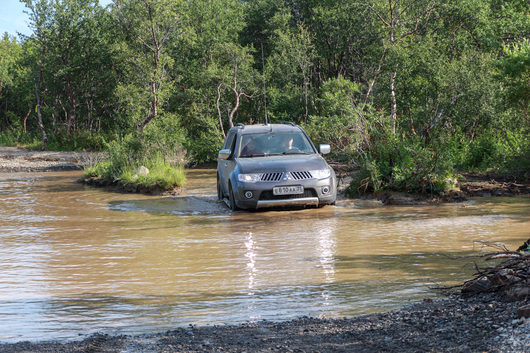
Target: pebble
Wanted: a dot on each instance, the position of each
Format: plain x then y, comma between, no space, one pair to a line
449,325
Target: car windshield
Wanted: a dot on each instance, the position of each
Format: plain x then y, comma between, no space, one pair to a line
267,144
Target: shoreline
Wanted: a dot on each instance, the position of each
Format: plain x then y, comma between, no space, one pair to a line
480,323
15,159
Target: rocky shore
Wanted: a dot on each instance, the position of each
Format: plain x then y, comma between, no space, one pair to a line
14,159
482,323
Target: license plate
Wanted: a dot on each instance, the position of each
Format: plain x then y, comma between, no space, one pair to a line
288,190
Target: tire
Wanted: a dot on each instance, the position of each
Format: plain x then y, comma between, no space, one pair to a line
231,199
219,190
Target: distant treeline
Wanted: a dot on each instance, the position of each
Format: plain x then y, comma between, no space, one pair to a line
388,83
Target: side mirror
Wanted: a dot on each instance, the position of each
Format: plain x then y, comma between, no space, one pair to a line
324,148
224,154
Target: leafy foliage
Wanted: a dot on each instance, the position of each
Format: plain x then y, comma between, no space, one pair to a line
408,90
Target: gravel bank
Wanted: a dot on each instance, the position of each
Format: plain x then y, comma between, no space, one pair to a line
14,159
483,323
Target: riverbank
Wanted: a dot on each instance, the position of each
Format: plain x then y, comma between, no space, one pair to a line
14,159
471,185
483,323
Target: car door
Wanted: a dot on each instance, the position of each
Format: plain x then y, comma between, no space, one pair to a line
225,166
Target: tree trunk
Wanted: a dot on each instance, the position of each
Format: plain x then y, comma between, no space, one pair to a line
393,102
218,105
26,119
156,49
39,115
306,96
238,97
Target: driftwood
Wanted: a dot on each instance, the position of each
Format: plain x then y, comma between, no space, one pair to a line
510,276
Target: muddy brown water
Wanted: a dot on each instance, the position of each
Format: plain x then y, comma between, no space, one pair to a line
75,260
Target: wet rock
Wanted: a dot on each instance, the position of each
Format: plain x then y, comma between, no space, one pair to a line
525,247
455,196
518,292
504,277
524,311
480,285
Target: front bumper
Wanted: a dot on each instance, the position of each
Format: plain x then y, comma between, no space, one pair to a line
304,201
262,196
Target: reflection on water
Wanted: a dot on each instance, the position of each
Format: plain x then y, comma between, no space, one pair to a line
77,260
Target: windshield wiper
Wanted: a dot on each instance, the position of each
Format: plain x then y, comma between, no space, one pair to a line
292,152
254,155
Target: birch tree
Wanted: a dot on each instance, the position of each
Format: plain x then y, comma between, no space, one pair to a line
40,13
150,28
401,20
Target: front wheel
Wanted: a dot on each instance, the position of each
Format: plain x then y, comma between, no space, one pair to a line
231,199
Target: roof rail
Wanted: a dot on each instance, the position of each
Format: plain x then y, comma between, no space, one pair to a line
240,125
287,123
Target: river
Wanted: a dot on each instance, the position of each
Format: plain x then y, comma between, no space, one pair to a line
75,260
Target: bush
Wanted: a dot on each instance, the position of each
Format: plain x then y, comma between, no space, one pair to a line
342,123
158,148
404,165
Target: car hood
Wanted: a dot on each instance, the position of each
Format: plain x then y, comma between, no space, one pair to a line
293,163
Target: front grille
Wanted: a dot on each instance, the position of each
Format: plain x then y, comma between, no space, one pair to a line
277,176
301,175
268,195
271,176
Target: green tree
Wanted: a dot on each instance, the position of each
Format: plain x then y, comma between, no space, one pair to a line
10,53
40,15
401,20
81,63
150,28
289,69
515,74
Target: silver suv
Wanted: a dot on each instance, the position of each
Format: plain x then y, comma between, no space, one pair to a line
273,165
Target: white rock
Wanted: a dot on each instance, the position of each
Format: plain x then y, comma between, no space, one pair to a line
141,171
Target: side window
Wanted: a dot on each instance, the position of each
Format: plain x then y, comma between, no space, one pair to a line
229,141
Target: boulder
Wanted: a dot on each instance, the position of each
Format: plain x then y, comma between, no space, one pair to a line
140,171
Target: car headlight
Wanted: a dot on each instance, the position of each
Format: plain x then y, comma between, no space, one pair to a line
249,178
321,173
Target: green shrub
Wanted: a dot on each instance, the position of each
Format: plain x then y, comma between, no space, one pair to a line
158,148
342,123
404,165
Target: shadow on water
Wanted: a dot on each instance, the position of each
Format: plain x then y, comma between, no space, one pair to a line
203,205
188,205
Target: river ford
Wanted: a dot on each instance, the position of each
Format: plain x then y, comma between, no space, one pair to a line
75,260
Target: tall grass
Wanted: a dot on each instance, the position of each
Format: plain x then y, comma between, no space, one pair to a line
125,156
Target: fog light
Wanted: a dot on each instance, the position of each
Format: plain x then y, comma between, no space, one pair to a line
249,194
325,189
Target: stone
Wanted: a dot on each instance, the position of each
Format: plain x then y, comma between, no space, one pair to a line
142,171
480,285
504,277
519,292
524,311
